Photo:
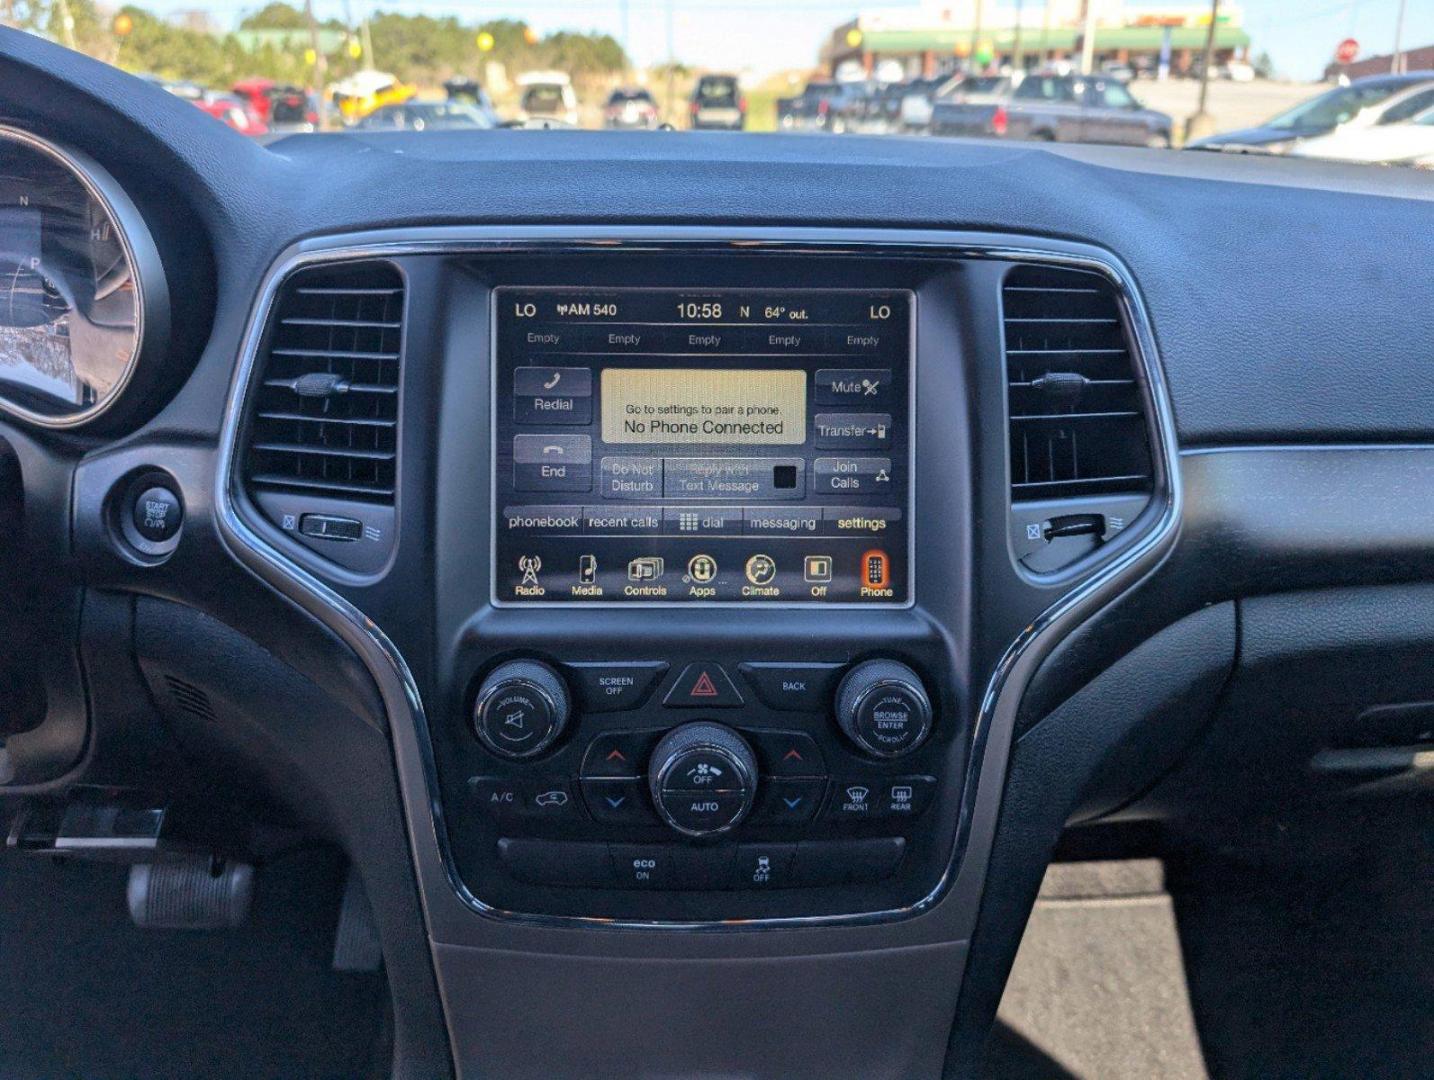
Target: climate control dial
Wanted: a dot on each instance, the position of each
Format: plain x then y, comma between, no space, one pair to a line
883,708
703,778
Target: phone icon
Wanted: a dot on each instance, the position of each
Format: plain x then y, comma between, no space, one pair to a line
553,382
553,448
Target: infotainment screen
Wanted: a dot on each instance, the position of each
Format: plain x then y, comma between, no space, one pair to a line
687,446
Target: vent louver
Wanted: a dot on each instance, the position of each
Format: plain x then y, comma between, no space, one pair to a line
325,416
1077,423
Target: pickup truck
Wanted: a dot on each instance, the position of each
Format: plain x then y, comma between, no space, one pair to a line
815,107
1058,108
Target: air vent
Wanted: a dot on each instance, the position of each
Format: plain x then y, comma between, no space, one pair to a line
1077,422
188,698
325,417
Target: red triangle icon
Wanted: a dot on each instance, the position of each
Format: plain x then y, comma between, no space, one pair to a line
792,753
616,755
703,687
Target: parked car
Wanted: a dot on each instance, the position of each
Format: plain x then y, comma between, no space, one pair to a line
878,111
1058,108
1368,102
718,104
1406,142
547,95
282,107
918,100
425,116
814,107
967,99
366,91
233,111
292,109
632,107
460,88
848,112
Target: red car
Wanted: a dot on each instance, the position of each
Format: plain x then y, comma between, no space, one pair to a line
276,104
235,112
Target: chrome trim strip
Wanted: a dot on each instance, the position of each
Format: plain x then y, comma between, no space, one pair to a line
1147,541
151,294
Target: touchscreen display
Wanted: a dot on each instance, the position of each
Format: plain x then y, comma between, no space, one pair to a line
681,446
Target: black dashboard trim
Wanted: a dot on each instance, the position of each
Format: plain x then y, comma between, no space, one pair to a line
1131,558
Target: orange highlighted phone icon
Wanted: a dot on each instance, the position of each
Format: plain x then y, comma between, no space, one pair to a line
875,569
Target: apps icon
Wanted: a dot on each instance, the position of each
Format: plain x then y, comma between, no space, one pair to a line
701,569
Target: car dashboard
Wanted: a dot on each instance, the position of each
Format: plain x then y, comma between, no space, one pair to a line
697,580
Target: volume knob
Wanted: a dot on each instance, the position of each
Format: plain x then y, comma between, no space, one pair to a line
521,709
883,708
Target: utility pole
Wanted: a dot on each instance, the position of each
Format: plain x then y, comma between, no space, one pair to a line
1202,123
1087,39
626,42
671,65
1017,59
1045,32
367,37
67,23
321,63
1396,62
976,34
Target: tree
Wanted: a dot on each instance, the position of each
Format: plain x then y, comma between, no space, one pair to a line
275,16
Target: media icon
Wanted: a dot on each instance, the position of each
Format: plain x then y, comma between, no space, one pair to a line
761,569
701,569
587,569
646,568
817,569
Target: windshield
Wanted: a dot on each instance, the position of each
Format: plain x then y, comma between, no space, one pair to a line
1262,76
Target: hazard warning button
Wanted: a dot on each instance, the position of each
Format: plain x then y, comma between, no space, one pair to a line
703,686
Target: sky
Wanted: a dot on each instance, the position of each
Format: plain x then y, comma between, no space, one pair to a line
772,35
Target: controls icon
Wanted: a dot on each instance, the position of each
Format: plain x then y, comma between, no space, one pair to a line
818,569
646,568
701,569
761,569
587,569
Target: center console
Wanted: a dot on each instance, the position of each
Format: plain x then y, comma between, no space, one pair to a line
697,687
700,725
